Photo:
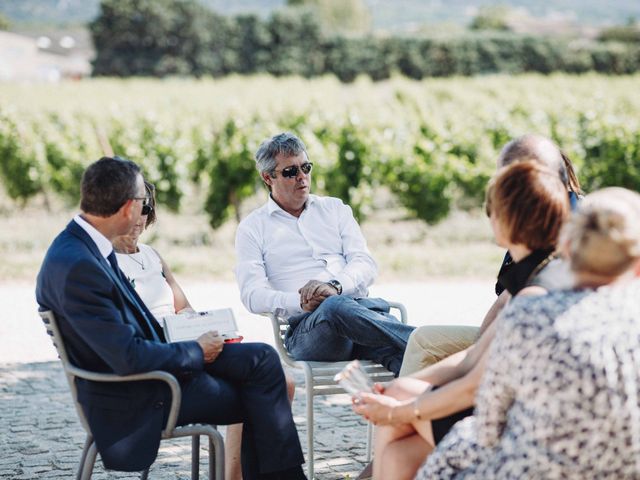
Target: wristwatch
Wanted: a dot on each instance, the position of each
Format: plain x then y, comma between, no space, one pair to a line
336,284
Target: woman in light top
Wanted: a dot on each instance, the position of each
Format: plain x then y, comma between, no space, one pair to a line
146,270
152,279
560,398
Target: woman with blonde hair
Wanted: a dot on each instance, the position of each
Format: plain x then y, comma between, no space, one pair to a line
560,397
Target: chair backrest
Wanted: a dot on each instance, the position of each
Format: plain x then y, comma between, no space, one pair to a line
282,324
51,324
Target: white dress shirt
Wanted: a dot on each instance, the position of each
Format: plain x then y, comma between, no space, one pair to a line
102,242
277,254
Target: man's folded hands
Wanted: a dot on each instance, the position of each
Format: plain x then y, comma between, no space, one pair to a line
314,293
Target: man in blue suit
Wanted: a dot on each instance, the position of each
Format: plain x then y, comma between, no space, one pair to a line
107,328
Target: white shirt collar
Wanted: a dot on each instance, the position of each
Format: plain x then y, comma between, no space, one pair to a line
102,242
272,206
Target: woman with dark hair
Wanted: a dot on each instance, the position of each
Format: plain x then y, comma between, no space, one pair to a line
527,204
560,397
154,282
145,269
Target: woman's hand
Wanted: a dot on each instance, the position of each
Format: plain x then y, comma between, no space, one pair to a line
378,409
186,310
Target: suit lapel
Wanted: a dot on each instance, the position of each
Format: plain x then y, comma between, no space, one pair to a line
134,306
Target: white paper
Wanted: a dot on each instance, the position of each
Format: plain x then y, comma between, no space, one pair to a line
178,328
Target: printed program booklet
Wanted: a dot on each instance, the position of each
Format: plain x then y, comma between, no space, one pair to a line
178,328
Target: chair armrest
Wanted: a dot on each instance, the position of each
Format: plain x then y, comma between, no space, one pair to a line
176,395
404,317
285,356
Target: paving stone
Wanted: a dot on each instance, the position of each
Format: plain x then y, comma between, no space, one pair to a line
43,437
36,462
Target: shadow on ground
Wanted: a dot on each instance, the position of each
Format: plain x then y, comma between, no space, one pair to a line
42,437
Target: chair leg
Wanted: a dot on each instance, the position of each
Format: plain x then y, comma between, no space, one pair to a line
216,456
369,440
195,457
308,380
87,443
89,462
144,475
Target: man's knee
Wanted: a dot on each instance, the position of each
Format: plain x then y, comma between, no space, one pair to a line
270,355
263,355
335,306
431,343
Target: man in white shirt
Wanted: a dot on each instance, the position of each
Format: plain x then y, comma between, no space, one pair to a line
304,256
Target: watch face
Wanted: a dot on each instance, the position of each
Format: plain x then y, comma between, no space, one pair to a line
336,284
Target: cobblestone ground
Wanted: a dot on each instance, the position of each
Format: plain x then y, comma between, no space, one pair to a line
41,437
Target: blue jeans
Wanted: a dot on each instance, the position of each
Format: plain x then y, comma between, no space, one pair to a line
343,328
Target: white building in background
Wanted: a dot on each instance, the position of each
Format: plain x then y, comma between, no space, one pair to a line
24,59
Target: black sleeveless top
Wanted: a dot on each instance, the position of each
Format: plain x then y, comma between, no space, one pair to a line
515,276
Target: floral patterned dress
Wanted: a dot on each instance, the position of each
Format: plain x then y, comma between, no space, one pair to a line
560,398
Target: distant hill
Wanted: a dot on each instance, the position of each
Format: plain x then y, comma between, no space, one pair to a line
405,14
395,15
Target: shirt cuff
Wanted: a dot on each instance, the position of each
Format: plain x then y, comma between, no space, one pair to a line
292,303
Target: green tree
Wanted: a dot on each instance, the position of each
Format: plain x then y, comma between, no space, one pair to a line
223,162
250,41
345,17
629,33
4,22
349,177
20,170
159,37
295,46
492,17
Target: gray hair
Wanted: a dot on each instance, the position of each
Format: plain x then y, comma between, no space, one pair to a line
537,148
286,144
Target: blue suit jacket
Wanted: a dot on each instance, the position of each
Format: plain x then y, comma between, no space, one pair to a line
99,321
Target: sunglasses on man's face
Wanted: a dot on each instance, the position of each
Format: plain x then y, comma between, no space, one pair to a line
292,171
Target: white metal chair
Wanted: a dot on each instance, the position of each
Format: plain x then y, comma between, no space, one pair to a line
89,452
318,378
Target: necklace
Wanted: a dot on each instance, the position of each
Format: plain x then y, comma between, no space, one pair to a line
552,256
122,251
139,262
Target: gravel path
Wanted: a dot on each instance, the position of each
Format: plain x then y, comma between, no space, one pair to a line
40,436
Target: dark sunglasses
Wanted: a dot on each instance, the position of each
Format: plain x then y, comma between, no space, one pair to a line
146,205
292,171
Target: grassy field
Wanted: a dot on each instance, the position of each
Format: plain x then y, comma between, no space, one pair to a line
405,249
457,123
